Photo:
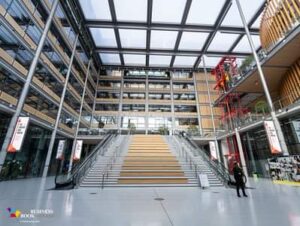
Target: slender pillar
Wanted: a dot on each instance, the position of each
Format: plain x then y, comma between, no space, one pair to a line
242,156
264,83
172,103
61,103
121,103
251,152
198,106
95,98
211,110
147,104
79,118
26,86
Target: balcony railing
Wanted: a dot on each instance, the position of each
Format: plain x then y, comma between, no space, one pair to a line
279,18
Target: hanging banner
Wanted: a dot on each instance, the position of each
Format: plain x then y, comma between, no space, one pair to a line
213,150
60,149
78,148
18,135
272,137
296,125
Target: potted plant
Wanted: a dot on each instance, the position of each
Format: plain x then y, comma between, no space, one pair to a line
163,130
192,130
131,127
244,68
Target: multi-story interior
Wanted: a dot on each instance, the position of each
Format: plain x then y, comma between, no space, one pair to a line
160,91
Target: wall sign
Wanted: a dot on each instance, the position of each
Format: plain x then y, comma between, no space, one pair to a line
272,137
213,150
78,148
60,149
18,135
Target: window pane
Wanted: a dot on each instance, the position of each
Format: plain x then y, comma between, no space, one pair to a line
110,58
184,61
222,42
204,13
96,9
244,46
156,60
104,37
192,40
163,39
131,59
131,38
131,10
249,8
168,11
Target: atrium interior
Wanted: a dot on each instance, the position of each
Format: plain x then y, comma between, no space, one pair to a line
139,112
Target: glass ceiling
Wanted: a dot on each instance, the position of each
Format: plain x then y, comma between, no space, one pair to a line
169,33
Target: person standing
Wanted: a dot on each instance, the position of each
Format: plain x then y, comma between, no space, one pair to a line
238,176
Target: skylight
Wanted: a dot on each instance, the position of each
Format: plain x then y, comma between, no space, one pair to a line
244,46
210,62
222,42
159,60
249,9
104,37
95,9
184,61
168,11
163,39
134,59
192,40
110,58
131,38
204,15
131,10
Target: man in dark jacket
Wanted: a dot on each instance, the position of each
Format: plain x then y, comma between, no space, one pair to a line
238,176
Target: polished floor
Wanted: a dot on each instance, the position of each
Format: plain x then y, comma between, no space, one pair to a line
267,205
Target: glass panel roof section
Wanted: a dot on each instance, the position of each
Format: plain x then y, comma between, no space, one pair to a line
192,40
104,37
131,38
168,11
184,61
134,59
110,58
95,9
163,39
159,60
204,13
210,62
222,42
131,10
256,24
249,8
244,47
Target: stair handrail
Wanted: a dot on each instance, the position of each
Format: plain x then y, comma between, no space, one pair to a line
112,161
219,168
78,171
189,160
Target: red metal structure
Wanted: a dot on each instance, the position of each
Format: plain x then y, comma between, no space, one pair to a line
226,72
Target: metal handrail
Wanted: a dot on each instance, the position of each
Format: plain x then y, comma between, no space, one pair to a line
219,168
189,160
77,173
111,162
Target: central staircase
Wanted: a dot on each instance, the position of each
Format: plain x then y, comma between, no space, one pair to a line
149,160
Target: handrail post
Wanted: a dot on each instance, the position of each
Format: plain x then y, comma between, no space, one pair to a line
103,176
